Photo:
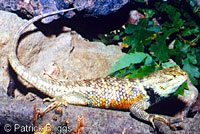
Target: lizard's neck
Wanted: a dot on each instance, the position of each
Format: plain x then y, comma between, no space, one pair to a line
153,96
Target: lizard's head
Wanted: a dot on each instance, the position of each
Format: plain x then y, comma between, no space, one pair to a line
165,82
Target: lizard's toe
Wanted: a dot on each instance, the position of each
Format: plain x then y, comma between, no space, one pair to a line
160,118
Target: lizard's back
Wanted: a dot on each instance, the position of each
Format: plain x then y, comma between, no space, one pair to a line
110,92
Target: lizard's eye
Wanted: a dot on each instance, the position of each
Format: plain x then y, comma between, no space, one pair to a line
174,76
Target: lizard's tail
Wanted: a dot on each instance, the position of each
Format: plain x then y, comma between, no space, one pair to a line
27,75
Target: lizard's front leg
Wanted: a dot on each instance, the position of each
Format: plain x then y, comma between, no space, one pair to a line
138,109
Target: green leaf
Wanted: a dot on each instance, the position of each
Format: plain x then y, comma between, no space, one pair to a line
135,29
130,41
189,31
192,70
116,37
168,64
128,59
148,60
145,37
138,36
192,58
174,15
141,72
160,50
130,29
192,3
148,12
168,32
180,90
154,28
134,43
190,23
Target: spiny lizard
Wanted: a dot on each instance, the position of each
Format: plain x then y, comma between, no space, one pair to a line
124,93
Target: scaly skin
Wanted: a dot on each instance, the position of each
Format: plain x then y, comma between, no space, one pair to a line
109,92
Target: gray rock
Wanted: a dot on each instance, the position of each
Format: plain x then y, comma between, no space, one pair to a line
75,57
31,8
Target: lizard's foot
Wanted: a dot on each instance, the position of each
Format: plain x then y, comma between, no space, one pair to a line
160,118
53,105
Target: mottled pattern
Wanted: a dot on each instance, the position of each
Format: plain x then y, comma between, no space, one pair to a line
110,92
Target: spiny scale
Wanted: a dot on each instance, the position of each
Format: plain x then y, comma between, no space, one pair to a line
111,92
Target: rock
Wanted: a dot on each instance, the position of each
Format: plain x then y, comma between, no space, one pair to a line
189,125
8,26
196,107
75,57
31,8
189,98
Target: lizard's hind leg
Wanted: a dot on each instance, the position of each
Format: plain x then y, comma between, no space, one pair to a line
56,103
72,97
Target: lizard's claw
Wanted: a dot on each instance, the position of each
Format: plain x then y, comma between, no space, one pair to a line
160,118
53,105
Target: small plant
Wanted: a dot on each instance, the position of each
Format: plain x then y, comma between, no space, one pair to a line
168,35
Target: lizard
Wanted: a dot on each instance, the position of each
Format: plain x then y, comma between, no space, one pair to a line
135,94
